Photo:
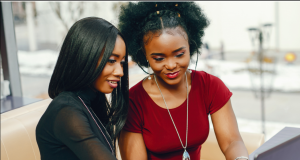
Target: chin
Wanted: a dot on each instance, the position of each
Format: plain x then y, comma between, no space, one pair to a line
105,91
173,81
108,92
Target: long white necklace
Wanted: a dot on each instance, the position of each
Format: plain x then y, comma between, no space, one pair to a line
185,155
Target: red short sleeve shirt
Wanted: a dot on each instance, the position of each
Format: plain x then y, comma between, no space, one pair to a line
207,95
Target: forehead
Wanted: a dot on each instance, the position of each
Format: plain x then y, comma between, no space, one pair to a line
165,41
120,48
172,31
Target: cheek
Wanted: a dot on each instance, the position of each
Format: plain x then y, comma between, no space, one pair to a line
107,70
157,66
97,82
185,61
101,80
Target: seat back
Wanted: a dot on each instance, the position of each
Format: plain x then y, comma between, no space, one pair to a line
18,140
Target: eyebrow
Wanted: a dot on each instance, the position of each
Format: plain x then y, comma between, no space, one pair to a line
176,50
113,54
116,55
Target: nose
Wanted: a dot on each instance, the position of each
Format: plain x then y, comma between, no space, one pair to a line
171,64
118,71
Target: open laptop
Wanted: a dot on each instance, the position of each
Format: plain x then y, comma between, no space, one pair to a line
285,145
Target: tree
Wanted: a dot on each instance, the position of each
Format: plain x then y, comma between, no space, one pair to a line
74,9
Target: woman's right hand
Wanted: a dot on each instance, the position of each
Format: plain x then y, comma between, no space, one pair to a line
132,146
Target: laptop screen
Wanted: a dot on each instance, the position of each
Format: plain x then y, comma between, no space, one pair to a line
288,150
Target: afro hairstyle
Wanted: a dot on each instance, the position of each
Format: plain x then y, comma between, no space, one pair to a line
138,19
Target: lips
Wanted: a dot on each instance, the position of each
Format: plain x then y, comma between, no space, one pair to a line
172,75
113,83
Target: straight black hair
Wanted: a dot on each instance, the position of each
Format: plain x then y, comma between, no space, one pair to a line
76,68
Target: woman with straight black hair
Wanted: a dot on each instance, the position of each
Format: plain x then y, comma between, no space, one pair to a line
80,123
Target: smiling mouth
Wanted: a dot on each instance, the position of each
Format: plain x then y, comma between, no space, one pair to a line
113,84
172,75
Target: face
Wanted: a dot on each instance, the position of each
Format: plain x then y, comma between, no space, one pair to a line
168,56
113,70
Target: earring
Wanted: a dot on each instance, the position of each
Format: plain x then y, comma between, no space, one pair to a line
149,77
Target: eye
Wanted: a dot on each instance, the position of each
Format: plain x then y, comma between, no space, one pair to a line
180,54
158,59
123,62
111,61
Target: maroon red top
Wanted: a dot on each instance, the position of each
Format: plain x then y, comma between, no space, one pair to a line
207,95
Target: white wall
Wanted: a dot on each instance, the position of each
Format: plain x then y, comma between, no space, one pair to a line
230,20
289,25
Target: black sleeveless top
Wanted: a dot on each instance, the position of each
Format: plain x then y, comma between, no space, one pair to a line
67,131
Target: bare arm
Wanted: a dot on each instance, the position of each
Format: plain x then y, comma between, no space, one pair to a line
227,133
132,146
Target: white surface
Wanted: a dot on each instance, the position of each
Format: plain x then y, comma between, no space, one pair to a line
38,63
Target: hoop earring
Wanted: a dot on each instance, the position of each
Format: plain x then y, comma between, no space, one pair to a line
149,77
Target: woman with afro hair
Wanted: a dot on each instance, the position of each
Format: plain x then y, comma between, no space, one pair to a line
169,109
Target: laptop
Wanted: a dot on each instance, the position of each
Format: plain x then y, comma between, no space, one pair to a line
285,145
